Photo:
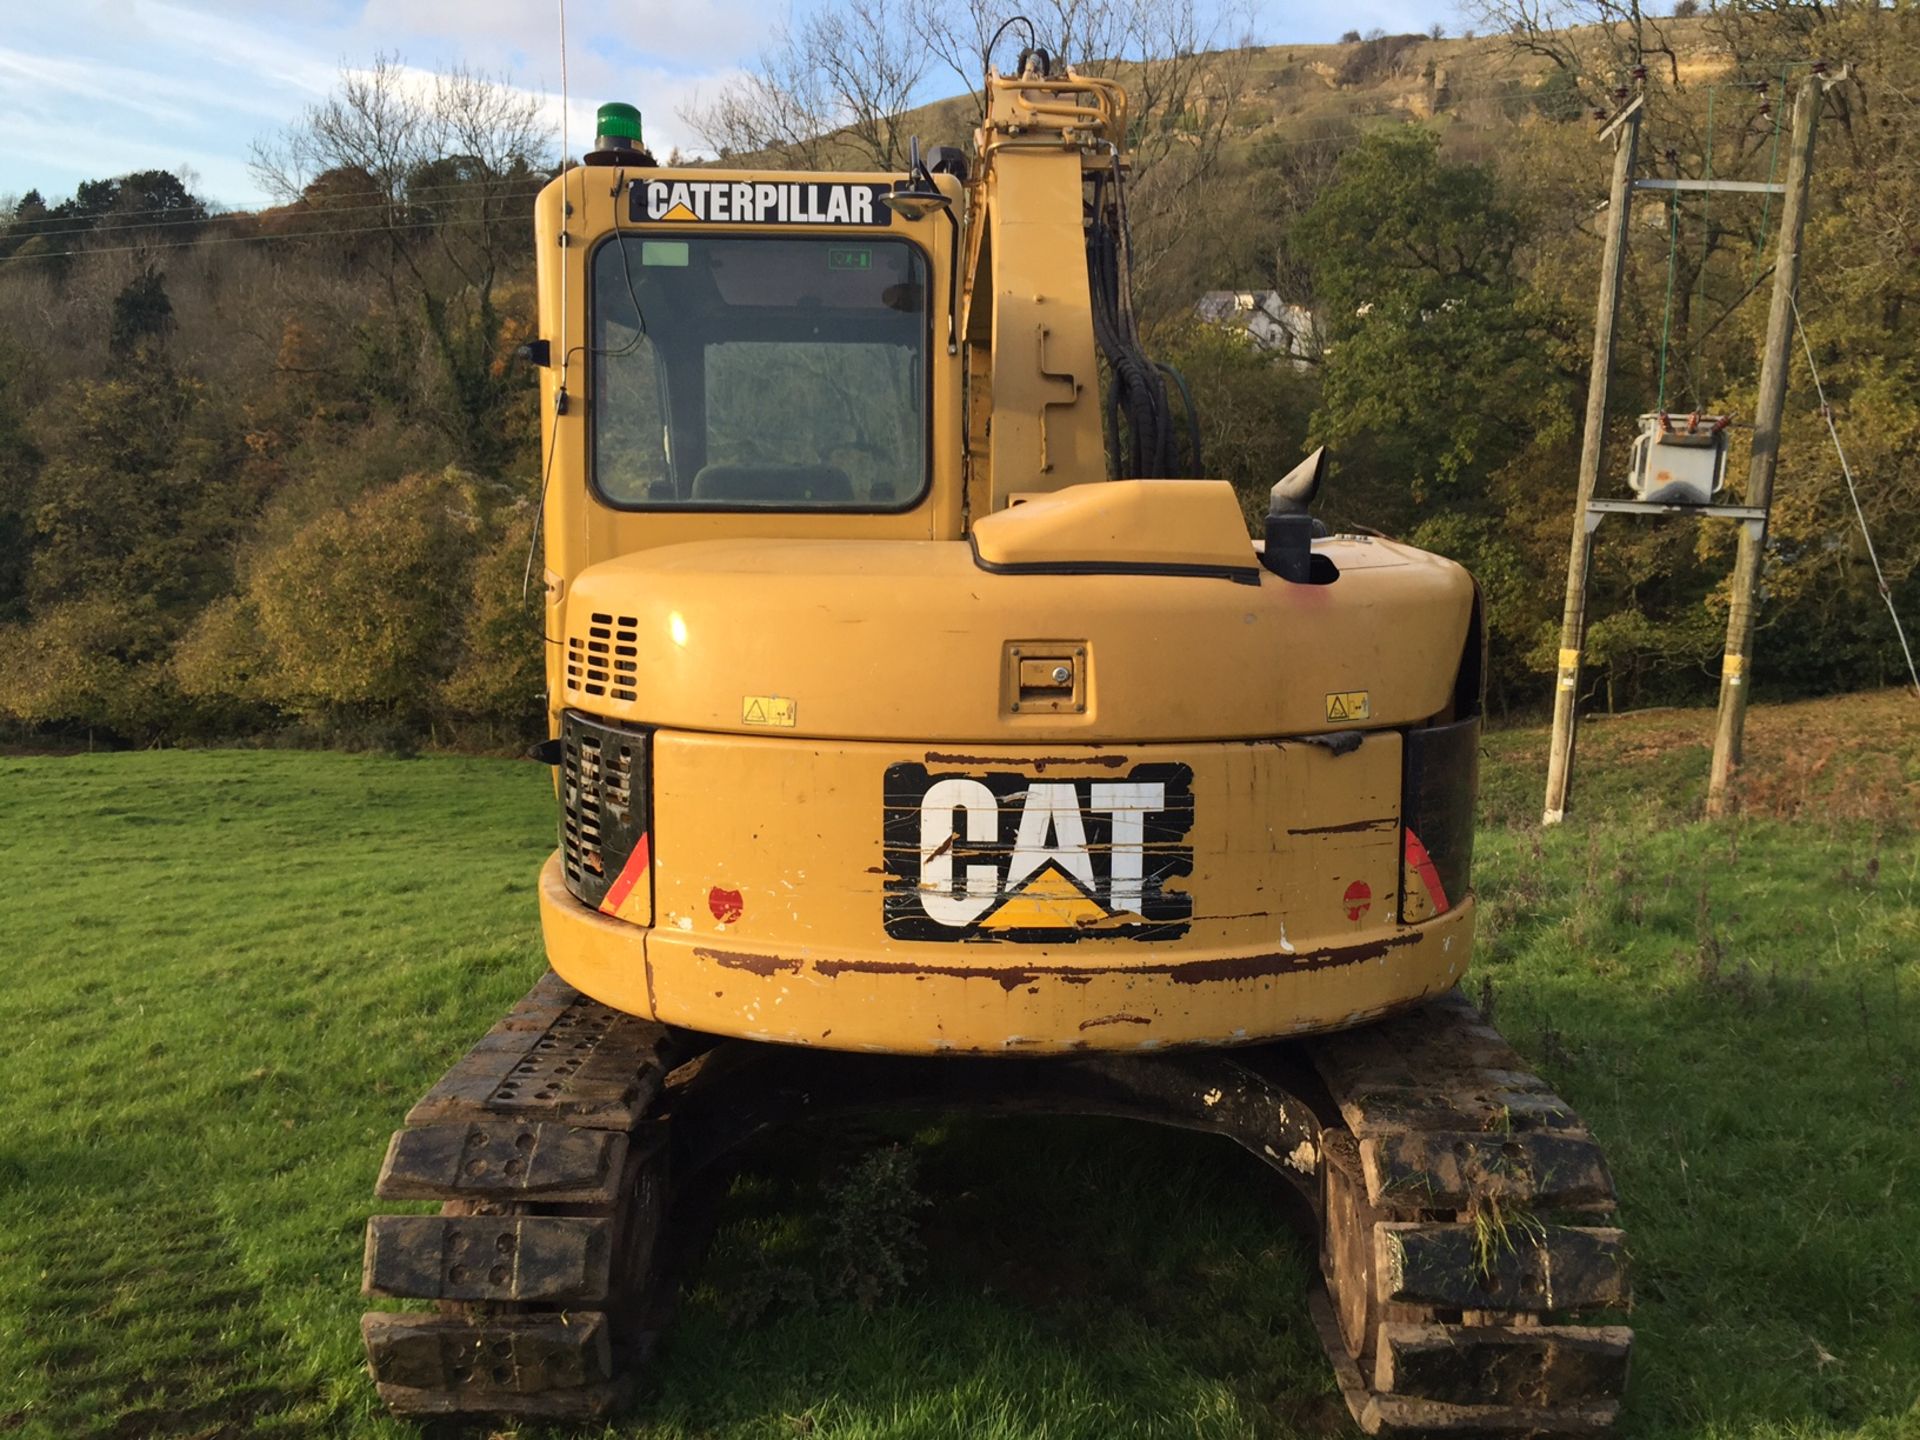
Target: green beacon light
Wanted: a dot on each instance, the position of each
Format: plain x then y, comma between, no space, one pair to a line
617,138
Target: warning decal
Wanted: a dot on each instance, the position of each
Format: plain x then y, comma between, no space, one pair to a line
758,202
1004,856
1349,705
768,710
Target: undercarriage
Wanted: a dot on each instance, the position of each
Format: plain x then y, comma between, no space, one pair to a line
1464,1215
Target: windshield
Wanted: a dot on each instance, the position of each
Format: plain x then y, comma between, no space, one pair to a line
767,373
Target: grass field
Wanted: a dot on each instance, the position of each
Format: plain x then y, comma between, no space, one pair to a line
232,971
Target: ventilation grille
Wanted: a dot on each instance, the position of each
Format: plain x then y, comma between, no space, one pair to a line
603,802
603,662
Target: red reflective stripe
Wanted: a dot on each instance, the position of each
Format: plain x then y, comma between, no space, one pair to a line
630,874
1423,866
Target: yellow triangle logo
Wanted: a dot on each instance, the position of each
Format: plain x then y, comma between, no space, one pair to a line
680,212
1050,899
1336,708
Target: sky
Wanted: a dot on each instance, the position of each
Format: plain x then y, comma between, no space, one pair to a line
92,88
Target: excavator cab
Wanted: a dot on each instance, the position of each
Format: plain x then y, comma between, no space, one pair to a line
925,732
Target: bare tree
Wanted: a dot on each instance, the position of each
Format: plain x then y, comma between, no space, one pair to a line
871,62
1596,43
828,90
960,34
1159,48
832,87
1185,71
776,107
440,171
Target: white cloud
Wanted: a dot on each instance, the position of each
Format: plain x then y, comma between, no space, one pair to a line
252,52
671,34
43,84
660,95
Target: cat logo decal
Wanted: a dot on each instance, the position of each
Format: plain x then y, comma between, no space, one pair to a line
1007,856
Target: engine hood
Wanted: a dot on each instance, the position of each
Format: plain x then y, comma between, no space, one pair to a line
921,640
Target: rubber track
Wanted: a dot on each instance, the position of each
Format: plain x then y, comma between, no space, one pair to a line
553,1186
1467,1228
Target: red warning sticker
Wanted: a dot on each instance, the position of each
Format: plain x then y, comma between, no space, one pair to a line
1359,899
727,905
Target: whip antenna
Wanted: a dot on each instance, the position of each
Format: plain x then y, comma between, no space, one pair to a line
566,205
560,396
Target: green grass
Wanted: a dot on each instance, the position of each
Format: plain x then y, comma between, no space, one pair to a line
232,971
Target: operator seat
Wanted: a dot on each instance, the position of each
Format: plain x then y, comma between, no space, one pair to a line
774,484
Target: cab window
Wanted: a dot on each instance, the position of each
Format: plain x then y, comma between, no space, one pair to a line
759,373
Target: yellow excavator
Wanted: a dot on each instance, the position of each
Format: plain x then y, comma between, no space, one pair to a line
928,733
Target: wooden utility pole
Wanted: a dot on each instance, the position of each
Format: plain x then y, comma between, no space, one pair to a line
1729,728
1573,624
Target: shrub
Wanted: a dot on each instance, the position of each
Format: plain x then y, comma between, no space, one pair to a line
355,610
501,670
221,667
91,663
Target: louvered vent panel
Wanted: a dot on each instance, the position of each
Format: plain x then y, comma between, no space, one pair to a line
603,662
603,802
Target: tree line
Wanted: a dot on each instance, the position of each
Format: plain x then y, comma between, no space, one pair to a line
274,474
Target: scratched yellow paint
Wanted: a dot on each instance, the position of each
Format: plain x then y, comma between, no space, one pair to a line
793,666
1280,835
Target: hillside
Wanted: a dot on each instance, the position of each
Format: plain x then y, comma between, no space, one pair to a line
1463,86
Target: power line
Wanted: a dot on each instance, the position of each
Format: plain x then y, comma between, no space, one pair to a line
242,239
1879,576
232,211
410,200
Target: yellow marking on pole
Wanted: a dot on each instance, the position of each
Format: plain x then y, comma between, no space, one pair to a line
1569,659
1733,666
768,710
1349,705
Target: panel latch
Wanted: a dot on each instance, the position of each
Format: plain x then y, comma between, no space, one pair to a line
1045,677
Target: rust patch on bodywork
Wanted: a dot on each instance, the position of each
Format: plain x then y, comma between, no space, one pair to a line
1115,1020
1008,980
761,965
1259,967
1387,822
1036,762
1181,972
